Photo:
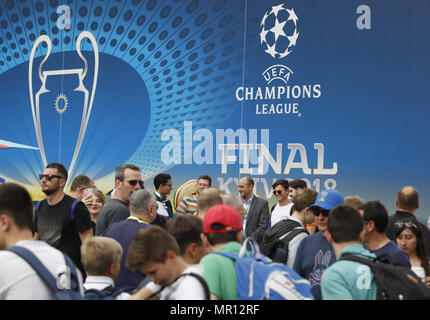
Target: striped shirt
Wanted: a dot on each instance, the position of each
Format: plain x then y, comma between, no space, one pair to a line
188,205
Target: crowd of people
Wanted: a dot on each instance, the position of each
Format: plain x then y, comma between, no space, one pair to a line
135,244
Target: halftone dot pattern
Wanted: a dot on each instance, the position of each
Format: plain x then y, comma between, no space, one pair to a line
188,53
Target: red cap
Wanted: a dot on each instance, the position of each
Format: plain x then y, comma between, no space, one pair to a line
222,214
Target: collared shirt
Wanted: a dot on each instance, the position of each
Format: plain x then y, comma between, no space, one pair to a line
246,205
164,206
100,283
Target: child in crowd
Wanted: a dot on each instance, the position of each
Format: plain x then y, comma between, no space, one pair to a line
187,231
101,259
165,266
222,227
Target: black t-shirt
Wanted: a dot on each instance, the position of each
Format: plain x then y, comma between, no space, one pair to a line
56,227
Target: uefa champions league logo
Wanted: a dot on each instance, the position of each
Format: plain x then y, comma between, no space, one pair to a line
278,31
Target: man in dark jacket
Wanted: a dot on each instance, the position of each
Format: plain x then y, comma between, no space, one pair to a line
256,218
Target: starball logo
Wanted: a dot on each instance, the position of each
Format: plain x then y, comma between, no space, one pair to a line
279,34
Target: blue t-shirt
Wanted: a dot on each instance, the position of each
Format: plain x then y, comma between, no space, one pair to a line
393,253
124,232
314,255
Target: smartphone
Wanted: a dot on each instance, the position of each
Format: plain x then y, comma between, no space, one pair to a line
88,192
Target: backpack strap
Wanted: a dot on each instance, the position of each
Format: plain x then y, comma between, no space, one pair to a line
109,291
35,263
285,242
72,212
195,275
350,257
36,214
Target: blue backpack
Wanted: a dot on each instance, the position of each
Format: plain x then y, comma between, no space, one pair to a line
260,279
62,291
109,293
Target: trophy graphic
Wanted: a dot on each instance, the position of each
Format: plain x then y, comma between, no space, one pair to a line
59,109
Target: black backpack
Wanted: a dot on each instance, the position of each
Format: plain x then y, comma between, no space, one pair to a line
275,248
108,293
393,282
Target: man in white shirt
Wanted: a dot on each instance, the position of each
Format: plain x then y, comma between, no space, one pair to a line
18,280
282,210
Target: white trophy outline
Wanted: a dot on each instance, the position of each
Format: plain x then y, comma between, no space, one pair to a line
81,75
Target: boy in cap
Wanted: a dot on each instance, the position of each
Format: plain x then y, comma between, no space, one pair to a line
315,253
222,231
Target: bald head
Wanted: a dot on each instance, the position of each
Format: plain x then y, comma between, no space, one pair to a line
407,199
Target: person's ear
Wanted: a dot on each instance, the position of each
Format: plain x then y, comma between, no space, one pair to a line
418,204
329,237
5,222
205,240
239,236
171,256
191,250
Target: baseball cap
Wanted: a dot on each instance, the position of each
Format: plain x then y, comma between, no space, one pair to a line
328,199
224,215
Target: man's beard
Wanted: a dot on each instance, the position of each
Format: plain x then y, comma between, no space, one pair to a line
48,192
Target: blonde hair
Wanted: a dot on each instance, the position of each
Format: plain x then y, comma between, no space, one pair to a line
99,253
354,201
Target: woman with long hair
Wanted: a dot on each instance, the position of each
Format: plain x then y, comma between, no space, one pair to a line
409,237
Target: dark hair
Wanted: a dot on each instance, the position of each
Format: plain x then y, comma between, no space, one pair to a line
60,168
205,177
218,238
305,199
408,198
141,251
161,179
186,229
80,181
298,184
412,224
119,171
282,182
376,212
16,203
344,224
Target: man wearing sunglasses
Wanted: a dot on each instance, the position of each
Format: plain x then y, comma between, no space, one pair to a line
282,210
315,253
60,220
127,180
407,203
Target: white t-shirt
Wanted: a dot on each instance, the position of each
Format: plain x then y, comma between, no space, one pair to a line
280,213
185,288
100,283
19,281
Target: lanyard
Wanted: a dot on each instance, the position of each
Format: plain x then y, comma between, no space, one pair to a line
137,219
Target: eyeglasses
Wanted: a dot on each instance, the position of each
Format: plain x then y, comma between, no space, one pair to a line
317,211
134,182
275,192
49,177
404,225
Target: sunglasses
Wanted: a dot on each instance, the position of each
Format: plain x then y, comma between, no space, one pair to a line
134,182
399,225
317,211
275,192
49,177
